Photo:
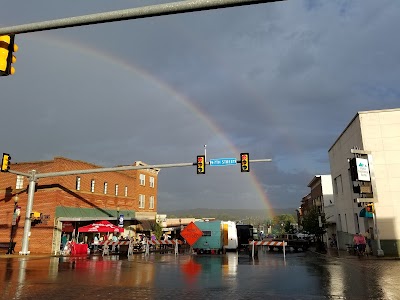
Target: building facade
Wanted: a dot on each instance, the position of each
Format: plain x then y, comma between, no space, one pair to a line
376,133
321,197
65,203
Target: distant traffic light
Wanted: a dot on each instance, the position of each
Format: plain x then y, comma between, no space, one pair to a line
353,169
5,162
370,208
201,164
7,47
244,162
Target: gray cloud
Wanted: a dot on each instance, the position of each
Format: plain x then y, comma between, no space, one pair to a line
278,80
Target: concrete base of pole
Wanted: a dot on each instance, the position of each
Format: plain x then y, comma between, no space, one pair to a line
24,253
380,253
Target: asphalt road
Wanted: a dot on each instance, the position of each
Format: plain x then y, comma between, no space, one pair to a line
231,276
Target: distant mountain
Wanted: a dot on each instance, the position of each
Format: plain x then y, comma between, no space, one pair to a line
228,214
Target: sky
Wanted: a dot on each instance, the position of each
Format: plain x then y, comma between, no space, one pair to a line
277,80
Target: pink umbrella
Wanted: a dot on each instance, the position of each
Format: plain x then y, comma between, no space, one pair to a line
101,226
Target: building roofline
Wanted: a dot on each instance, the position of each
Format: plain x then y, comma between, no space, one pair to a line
359,113
315,178
348,125
79,161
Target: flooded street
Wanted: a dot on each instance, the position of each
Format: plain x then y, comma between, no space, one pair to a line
231,276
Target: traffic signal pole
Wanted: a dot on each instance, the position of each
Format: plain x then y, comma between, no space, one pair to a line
33,176
130,14
29,206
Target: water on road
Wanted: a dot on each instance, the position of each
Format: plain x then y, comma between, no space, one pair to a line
231,276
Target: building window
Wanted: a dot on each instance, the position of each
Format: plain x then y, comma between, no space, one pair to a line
141,201
105,188
20,182
142,179
126,191
151,182
151,204
78,183
92,185
116,190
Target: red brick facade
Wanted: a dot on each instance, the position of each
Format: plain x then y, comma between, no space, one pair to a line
62,191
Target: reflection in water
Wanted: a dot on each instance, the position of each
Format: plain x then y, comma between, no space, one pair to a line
336,283
367,278
232,276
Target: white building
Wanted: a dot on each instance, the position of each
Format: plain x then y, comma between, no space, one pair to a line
377,133
322,197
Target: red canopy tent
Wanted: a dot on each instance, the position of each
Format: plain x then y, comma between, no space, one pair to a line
101,226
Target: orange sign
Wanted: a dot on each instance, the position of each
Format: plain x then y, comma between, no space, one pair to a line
191,233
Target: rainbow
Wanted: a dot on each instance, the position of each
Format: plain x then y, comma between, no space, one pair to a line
184,100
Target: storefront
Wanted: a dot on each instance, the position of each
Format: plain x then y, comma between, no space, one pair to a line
69,219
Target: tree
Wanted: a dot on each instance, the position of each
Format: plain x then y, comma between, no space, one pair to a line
311,222
157,231
282,224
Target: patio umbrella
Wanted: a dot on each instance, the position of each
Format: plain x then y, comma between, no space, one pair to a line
101,226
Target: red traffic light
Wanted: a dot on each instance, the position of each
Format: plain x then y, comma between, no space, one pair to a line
244,162
201,164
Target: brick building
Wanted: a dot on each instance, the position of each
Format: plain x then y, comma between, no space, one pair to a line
65,203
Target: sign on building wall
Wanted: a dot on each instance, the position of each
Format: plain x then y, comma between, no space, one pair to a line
363,169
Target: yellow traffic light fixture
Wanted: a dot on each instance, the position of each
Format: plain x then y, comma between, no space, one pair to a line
5,162
36,218
7,48
244,162
370,208
201,164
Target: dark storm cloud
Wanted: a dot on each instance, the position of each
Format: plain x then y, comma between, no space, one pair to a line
278,80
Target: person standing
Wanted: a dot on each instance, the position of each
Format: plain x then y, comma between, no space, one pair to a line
367,236
95,243
64,241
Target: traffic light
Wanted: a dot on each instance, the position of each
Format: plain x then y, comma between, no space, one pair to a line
5,162
353,169
7,47
370,208
36,217
201,164
244,162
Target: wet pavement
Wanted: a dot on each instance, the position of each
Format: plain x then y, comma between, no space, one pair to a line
232,276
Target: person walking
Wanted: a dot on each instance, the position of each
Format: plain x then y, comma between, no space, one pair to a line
359,243
367,236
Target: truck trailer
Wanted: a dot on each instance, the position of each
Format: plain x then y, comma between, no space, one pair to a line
212,240
230,236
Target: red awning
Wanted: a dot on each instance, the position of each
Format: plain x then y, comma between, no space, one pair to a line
101,226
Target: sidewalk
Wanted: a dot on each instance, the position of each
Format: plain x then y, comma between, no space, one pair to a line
343,254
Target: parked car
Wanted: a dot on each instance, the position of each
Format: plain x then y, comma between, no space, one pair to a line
293,241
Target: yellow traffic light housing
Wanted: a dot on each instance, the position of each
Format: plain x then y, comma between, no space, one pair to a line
7,48
5,162
36,216
244,162
201,164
